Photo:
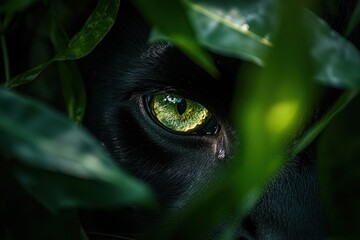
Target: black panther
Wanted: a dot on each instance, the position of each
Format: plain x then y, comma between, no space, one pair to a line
166,121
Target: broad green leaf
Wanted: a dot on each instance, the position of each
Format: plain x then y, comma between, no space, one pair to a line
71,80
94,30
245,29
171,19
338,170
14,5
355,19
60,163
267,115
335,60
234,28
272,109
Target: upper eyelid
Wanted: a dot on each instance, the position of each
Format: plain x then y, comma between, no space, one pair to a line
180,94
158,90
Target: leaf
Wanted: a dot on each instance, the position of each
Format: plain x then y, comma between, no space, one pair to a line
270,113
245,29
94,30
71,79
171,19
73,90
338,170
320,125
96,27
32,220
61,164
234,28
354,21
14,5
335,60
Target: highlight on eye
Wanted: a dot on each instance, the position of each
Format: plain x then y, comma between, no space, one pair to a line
180,114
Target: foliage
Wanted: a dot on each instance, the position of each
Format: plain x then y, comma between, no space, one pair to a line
37,142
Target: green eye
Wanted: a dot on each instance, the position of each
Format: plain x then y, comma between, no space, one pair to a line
180,114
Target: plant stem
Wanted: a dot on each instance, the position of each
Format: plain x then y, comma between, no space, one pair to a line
3,26
5,57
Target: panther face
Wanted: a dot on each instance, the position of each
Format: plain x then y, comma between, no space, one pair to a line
166,121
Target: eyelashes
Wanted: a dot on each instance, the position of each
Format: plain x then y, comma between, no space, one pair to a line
181,115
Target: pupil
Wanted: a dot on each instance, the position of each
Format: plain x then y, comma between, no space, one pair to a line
181,106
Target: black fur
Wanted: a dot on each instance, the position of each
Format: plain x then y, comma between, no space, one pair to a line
124,69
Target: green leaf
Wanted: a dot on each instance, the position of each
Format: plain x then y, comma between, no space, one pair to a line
338,170
94,30
96,27
354,21
14,5
71,79
271,106
171,19
73,90
245,29
320,125
32,220
234,28
335,60
60,163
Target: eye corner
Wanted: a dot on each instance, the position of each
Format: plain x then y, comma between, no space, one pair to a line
167,110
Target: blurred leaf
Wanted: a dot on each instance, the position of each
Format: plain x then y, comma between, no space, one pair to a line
61,164
335,60
171,19
71,79
245,29
338,169
320,125
271,107
229,233
354,21
94,30
14,5
28,219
